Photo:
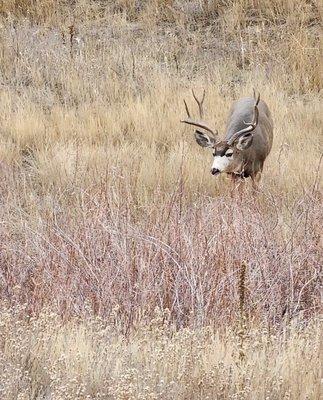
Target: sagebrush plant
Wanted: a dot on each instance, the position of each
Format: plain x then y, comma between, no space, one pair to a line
112,224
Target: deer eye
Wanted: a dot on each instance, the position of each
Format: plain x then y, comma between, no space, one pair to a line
229,153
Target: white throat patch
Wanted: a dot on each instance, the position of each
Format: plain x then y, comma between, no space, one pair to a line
221,163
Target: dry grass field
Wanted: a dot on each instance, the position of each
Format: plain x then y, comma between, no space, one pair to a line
127,271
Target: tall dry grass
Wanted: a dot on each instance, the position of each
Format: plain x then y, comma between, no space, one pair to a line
45,359
108,209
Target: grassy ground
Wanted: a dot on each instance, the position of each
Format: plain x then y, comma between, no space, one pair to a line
43,358
108,209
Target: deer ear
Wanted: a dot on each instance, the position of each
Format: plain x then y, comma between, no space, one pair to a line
244,141
203,139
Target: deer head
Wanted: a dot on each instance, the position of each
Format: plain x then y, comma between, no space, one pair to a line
228,154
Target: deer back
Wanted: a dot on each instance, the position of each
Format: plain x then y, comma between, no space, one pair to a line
241,112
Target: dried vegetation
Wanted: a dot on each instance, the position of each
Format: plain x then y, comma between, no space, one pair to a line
120,260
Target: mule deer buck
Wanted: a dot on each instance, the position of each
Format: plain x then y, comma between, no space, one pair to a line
248,139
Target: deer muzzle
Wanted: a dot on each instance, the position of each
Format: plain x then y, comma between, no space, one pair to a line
215,171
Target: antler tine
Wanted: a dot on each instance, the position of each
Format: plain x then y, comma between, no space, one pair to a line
254,122
198,123
255,110
199,102
257,98
187,110
251,125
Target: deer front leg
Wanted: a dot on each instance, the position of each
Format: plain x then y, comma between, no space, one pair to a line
237,185
255,181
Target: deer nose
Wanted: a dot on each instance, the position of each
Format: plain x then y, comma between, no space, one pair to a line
215,171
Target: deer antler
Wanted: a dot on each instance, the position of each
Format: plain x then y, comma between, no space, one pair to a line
251,125
199,123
